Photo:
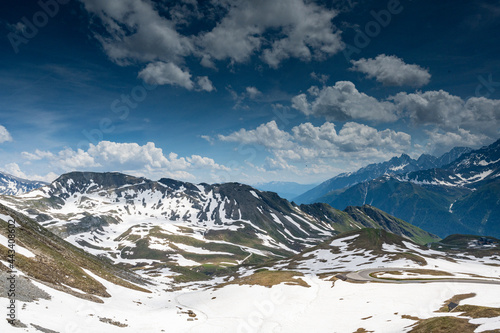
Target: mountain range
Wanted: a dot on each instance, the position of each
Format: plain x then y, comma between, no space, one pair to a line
140,222
396,165
457,192
117,252
462,196
11,185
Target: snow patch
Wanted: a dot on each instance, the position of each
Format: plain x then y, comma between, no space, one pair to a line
254,194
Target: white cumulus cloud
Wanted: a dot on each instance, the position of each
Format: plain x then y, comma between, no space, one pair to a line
166,73
343,102
392,71
205,84
153,34
267,135
449,112
135,31
435,109
353,137
14,170
321,145
4,135
441,142
302,29
252,92
142,160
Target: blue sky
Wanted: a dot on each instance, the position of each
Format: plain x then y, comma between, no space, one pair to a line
248,91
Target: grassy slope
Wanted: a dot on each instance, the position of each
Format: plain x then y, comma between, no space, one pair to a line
378,219
57,262
424,206
368,239
460,244
355,218
481,209
342,222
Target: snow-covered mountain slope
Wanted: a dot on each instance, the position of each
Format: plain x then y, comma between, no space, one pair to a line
138,220
375,248
451,156
10,185
27,247
313,290
460,197
144,223
396,165
366,216
471,170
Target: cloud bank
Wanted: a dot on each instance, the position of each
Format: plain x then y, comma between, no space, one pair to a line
154,34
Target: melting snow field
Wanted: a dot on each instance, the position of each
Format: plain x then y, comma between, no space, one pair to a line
323,307
116,218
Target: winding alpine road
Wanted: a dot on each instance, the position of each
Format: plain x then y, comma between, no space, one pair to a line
364,276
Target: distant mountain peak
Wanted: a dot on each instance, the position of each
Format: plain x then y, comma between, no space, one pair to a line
405,157
425,158
11,185
453,155
100,177
495,144
84,181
